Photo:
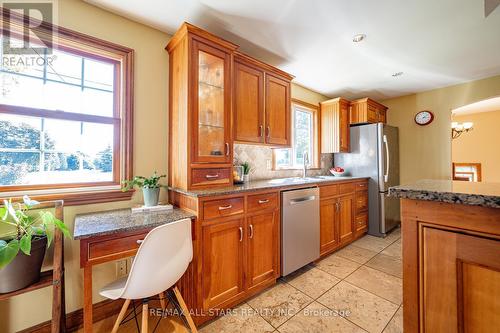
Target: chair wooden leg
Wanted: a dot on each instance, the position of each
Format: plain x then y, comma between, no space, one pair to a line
185,309
120,316
162,300
144,328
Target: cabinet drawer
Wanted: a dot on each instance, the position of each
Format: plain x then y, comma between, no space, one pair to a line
346,188
361,202
263,201
224,207
361,222
328,191
210,176
362,186
117,246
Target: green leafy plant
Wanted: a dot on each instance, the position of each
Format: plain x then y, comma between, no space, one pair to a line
246,168
26,225
140,181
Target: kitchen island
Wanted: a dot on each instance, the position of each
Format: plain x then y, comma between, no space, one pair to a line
451,256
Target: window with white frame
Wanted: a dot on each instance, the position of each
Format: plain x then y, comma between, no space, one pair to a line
304,139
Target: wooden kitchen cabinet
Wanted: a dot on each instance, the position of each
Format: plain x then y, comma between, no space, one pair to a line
278,125
335,129
263,240
346,218
451,271
248,103
367,111
200,135
341,222
223,262
329,233
262,100
217,96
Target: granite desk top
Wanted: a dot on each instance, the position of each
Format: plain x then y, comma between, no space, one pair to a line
457,192
122,220
257,185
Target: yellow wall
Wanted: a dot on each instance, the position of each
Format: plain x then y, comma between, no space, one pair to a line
150,147
425,151
480,144
301,93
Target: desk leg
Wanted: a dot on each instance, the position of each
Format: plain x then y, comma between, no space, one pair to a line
87,299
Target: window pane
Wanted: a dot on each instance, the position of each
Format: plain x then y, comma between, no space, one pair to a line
282,157
99,74
302,135
70,151
65,67
19,132
71,83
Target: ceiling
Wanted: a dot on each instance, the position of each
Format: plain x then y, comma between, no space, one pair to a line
487,105
434,43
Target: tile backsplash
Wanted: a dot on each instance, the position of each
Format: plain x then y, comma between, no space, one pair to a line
259,157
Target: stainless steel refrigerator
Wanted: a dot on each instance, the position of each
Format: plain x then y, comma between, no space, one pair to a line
375,154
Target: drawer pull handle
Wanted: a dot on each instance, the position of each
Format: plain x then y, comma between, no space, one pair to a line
139,241
264,201
241,234
212,176
225,207
251,231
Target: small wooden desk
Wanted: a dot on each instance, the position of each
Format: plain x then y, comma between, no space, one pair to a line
112,235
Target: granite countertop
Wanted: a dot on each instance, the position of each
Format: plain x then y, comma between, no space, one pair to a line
458,192
121,220
258,185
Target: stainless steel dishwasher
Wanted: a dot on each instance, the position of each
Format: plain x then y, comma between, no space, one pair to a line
299,228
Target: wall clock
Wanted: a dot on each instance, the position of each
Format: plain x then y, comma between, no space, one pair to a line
423,118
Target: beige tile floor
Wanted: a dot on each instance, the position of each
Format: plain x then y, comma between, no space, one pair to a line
356,289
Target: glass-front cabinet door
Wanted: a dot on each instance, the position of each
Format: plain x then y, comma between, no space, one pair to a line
212,136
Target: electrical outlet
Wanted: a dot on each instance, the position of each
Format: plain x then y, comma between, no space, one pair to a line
121,268
268,164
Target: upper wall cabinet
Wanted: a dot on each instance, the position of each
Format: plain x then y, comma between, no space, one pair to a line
335,126
366,111
218,95
262,102
200,147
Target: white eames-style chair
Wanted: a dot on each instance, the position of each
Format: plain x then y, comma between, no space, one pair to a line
161,260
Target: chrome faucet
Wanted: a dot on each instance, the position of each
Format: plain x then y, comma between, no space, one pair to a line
305,159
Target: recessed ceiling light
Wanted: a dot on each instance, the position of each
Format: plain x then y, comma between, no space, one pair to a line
358,38
397,74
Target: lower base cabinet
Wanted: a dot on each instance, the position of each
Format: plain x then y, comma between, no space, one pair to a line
240,253
342,218
263,252
223,255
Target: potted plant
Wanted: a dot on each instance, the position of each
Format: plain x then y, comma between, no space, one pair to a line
22,246
246,172
150,188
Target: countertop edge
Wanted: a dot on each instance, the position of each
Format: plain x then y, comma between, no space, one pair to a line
265,187
470,199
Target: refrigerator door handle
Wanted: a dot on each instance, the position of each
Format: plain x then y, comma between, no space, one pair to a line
386,175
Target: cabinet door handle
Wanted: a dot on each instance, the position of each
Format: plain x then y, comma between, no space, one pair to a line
225,207
264,201
227,149
261,131
268,132
251,231
212,176
241,234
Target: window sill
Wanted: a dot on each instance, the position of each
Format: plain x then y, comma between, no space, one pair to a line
78,198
